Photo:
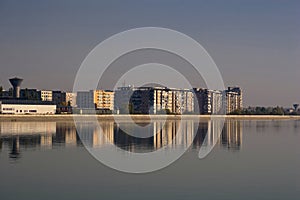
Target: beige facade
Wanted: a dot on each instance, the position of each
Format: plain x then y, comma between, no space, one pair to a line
104,99
71,98
46,95
234,99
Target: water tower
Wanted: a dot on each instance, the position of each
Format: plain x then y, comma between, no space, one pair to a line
16,83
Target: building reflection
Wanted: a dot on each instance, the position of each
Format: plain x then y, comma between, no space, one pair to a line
16,137
65,135
230,138
232,134
15,148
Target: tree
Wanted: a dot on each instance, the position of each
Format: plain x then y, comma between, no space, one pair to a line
277,111
237,112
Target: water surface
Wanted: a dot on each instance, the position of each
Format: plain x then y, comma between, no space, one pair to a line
251,160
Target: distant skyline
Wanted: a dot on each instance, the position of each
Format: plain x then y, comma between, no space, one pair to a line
254,43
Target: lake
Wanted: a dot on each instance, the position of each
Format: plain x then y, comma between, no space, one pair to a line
251,159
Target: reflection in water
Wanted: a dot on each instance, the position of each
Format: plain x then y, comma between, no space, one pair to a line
20,136
232,134
15,149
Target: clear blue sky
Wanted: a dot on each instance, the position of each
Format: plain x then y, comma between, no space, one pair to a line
255,43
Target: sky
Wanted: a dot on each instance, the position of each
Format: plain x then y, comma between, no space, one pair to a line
254,43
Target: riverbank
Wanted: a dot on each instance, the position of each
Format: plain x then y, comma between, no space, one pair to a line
140,117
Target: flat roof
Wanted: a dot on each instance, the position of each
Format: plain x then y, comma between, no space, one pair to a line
25,102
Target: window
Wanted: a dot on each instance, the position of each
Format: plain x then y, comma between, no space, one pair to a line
33,111
8,109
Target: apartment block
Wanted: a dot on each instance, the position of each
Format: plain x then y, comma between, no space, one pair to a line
153,100
233,99
46,95
103,99
95,99
208,101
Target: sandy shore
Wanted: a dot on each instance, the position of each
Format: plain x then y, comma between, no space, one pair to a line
138,117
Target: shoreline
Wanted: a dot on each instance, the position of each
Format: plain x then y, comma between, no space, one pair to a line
12,118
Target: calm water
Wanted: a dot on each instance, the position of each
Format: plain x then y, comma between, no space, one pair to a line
251,160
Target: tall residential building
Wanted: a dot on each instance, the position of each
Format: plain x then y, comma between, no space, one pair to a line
233,99
202,101
208,101
153,100
217,102
188,101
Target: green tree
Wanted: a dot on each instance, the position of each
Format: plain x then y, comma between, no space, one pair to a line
237,112
277,111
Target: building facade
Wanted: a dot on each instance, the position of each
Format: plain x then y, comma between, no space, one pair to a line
85,99
103,99
208,101
71,99
218,102
22,107
30,94
59,98
95,99
45,95
153,100
233,99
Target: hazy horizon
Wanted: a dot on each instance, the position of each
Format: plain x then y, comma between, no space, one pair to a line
255,44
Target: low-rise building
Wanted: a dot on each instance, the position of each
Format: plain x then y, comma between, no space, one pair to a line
6,94
21,107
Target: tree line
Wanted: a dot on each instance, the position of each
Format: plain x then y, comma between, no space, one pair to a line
263,111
